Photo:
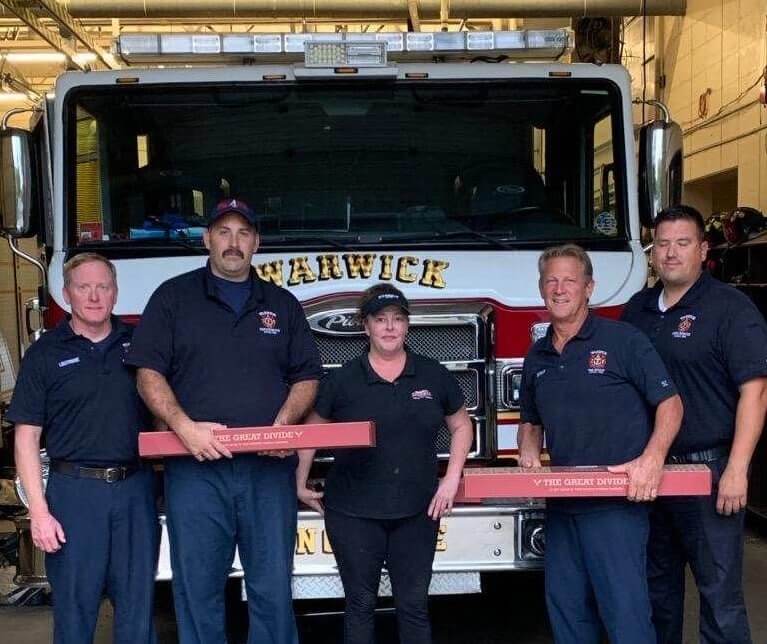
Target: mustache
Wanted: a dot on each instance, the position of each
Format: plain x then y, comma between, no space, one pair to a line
235,252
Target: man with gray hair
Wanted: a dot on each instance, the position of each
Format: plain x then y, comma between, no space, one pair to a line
96,520
592,385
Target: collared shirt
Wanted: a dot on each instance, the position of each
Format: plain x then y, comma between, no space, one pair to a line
712,341
226,367
595,399
397,477
82,395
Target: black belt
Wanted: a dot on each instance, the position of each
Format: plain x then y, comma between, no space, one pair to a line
108,474
701,456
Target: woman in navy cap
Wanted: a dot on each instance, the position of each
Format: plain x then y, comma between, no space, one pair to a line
382,505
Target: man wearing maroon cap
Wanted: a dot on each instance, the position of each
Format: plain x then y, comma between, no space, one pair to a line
219,347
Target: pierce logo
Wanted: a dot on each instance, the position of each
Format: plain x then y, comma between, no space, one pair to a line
684,328
597,361
268,322
337,323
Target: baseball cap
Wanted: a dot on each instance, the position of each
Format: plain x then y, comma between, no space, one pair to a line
226,206
382,300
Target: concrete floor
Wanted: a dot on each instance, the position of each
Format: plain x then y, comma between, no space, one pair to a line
510,609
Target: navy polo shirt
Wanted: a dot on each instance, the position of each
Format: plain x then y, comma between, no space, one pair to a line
595,400
398,477
83,396
712,341
224,366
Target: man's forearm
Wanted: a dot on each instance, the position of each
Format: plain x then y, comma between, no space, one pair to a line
298,403
530,440
305,459
668,420
27,455
160,399
749,421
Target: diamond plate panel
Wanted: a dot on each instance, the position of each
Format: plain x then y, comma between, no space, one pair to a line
330,587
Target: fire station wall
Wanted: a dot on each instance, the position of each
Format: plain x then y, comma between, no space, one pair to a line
713,60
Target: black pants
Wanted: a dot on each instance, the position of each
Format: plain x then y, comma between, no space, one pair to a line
362,547
689,530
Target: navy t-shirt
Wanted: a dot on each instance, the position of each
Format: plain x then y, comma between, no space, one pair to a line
226,367
234,294
398,477
82,395
712,341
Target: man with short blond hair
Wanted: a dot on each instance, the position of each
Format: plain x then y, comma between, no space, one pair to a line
96,521
593,386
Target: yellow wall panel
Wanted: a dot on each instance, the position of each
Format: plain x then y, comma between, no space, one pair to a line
718,45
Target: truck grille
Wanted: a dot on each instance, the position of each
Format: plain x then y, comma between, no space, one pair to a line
444,343
469,381
442,442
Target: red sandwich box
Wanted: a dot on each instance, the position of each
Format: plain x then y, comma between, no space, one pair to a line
592,481
272,437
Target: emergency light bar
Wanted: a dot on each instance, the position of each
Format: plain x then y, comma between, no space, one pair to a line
334,49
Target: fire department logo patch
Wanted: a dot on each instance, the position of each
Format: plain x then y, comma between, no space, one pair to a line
421,394
684,328
268,322
597,361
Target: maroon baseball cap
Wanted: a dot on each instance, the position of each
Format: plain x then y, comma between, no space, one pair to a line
238,206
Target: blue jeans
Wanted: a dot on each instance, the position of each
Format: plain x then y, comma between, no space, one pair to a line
596,575
249,502
112,537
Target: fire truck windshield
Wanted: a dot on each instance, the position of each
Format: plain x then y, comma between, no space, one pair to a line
490,164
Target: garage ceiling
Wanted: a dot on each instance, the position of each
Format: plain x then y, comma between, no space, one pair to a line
39,39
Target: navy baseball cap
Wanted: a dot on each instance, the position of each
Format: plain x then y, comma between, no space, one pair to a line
382,300
238,206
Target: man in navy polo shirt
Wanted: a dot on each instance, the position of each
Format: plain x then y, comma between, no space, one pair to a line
591,384
714,343
218,347
96,521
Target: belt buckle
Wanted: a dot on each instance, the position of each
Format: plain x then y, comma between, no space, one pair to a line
113,474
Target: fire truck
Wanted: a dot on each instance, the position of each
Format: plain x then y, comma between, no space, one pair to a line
442,163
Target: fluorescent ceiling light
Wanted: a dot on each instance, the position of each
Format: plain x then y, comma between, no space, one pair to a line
42,57
13,96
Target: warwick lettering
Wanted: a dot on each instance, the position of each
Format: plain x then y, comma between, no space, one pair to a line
310,541
407,268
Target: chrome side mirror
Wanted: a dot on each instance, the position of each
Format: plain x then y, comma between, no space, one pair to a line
16,182
660,167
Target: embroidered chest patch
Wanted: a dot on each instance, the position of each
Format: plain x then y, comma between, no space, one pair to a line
269,322
685,327
597,362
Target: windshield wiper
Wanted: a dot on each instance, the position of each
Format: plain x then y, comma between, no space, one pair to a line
305,239
148,244
495,241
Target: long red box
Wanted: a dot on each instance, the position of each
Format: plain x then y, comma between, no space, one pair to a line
548,482
272,437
